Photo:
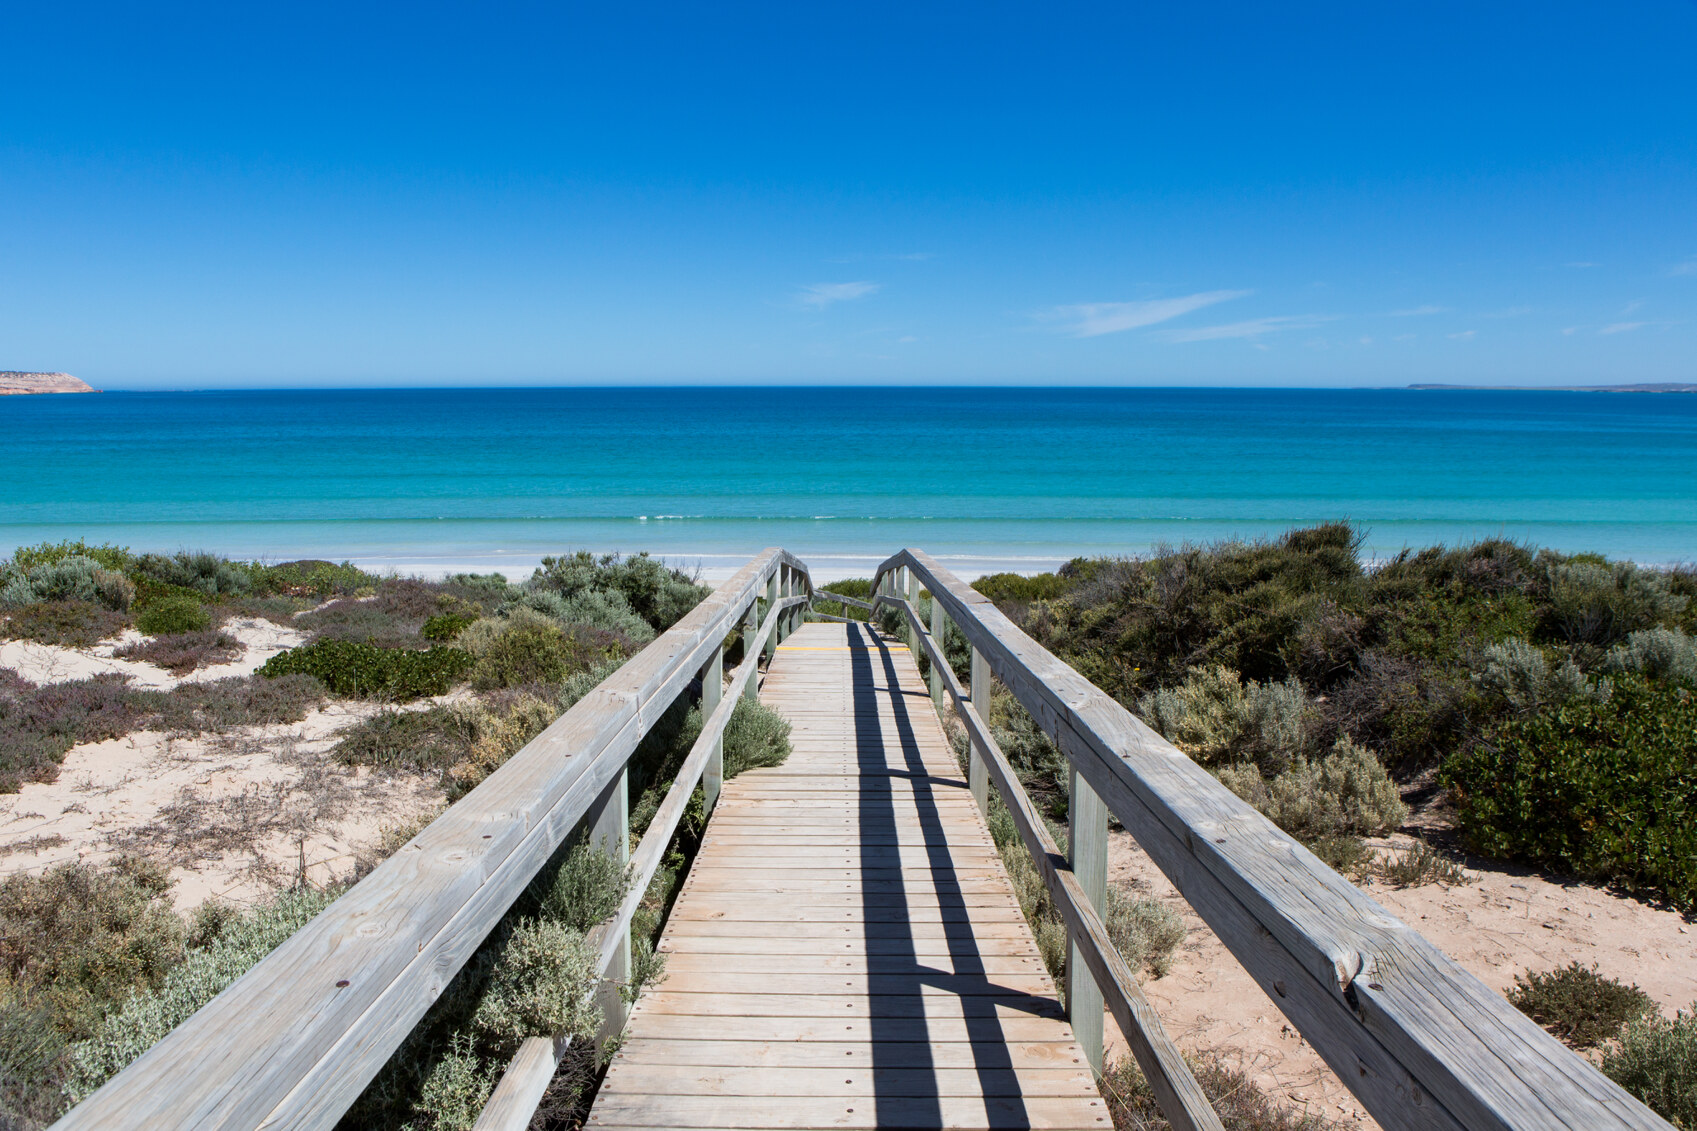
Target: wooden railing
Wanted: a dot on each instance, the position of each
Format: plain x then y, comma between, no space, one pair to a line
1418,1040
295,1040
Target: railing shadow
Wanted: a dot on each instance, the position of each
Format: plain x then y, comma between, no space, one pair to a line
904,1069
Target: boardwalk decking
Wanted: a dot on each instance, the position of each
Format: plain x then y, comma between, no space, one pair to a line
847,950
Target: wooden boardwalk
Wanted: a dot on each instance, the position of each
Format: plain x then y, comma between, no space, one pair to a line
847,950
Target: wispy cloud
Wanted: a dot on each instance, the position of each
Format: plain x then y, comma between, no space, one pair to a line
1622,327
820,295
1584,263
1092,319
1251,328
1631,306
862,257
1689,267
1464,335
1510,312
1418,311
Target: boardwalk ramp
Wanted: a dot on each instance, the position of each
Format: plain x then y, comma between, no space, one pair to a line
847,950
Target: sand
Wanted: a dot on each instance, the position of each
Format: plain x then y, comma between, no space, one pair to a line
50,663
1505,923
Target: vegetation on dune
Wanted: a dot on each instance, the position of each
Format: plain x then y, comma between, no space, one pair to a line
1578,1004
181,653
365,671
1241,1105
1656,1060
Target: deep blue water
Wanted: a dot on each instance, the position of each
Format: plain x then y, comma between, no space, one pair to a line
985,478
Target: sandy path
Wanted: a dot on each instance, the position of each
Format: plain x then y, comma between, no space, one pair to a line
1504,924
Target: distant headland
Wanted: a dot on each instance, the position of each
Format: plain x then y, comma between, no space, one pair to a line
1663,387
13,383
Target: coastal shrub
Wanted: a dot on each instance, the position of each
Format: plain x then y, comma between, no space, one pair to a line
171,616
1240,1103
1421,864
860,587
69,624
1018,588
1656,1061
1579,1005
756,737
1601,789
1346,793
115,558
445,627
75,942
206,573
1146,932
1216,718
1660,652
312,577
75,578
656,593
1593,602
543,983
181,653
1520,675
214,706
39,724
463,742
365,671
114,590
241,941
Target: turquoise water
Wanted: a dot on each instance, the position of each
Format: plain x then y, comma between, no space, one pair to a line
983,478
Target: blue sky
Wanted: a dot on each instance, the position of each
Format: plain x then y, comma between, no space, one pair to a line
1225,194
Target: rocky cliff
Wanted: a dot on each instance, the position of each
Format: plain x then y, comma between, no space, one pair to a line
12,382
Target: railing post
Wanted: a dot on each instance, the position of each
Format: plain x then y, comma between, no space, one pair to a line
939,623
977,770
771,601
609,832
750,632
912,599
1087,852
713,690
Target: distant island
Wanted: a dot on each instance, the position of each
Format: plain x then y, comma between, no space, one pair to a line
1663,387
13,383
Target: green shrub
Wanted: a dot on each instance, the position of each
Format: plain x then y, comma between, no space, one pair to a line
365,671
1592,602
657,594
1660,652
146,1017
756,737
860,587
69,624
1598,789
1580,1006
39,724
543,983
1145,932
1422,864
523,652
1346,793
183,652
1520,675
1016,588
1657,1062
207,574
1216,718
169,616
215,706
115,558
444,627
311,577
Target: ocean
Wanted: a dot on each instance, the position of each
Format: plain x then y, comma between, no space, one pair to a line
985,479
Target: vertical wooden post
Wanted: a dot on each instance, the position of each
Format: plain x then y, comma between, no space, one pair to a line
750,630
977,773
912,599
1087,852
771,601
609,831
713,690
939,627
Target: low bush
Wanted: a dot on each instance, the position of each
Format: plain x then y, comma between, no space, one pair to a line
444,627
118,559
1421,864
1145,932
653,591
312,577
75,942
756,736
1579,1005
860,587
526,647
220,705
1241,1105
172,616
1660,652
1346,793
39,724
1656,1061
1600,789
66,579
1019,588
1520,675
238,945
1598,603
1218,719
364,620
366,671
183,652
69,624
207,574
463,742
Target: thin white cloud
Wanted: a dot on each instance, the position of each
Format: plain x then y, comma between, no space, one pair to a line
1464,335
1584,263
1622,327
820,295
1251,328
1689,267
1511,312
1418,311
1092,319
1569,331
1631,306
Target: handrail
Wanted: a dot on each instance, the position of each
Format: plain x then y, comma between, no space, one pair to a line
1180,1097
295,1040
827,595
1418,1040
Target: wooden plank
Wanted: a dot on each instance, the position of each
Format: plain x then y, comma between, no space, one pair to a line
795,1113
756,962
851,1054
1418,1040
1004,1025
888,1078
